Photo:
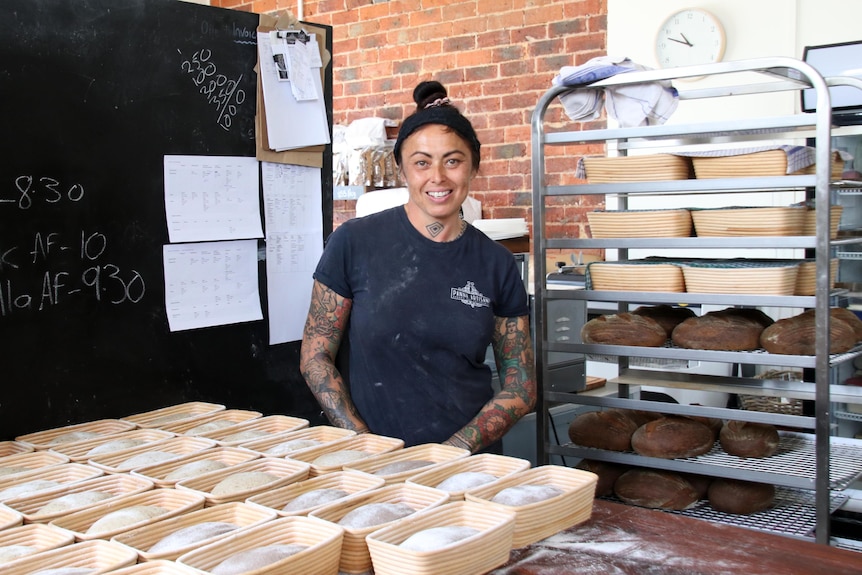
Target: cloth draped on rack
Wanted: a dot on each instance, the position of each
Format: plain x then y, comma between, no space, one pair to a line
641,104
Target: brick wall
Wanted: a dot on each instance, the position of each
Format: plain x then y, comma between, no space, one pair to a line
496,57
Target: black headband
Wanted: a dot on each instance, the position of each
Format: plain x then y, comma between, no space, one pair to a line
445,115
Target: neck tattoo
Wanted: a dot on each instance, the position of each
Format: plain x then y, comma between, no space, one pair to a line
436,228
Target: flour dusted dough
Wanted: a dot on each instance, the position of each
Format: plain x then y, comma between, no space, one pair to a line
12,470
255,559
243,481
121,518
115,445
314,498
402,466
339,457
437,537
195,468
210,426
73,501
148,458
465,480
246,435
182,538
67,571
28,487
375,514
292,445
10,552
74,436
525,494
170,418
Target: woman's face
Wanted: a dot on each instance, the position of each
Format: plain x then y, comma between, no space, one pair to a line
437,166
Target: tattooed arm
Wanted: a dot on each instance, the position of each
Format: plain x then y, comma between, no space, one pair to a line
321,338
513,352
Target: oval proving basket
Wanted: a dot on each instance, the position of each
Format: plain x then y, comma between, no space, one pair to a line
640,224
283,471
259,428
322,434
159,473
81,450
201,426
144,538
351,482
36,538
810,222
322,543
429,455
127,460
158,567
78,432
46,479
31,506
806,279
635,277
541,519
9,518
497,465
170,414
652,167
14,447
745,221
368,443
473,555
12,465
100,556
741,278
355,557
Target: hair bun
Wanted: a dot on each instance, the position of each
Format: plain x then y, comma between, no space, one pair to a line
426,92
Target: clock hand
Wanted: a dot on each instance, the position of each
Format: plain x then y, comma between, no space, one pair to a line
686,39
685,42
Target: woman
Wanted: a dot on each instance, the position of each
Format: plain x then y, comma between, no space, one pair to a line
422,294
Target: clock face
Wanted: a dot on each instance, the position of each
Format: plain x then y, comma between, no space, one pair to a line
688,38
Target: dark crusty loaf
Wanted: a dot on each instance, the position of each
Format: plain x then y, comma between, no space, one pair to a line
731,330
672,437
656,489
845,315
740,497
607,472
796,335
667,316
748,439
624,329
609,429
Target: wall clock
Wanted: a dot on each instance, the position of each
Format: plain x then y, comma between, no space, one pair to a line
688,38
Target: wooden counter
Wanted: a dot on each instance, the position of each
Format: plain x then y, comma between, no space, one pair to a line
620,539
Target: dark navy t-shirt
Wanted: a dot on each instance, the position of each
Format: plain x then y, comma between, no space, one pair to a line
422,319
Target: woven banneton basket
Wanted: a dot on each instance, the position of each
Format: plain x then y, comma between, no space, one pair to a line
741,278
158,473
322,543
174,502
36,537
755,164
259,428
810,223
78,432
242,515
100,556
321,433
10,518
653,167
351,482
121,462
201,426
651,277
59,475
355,557
640,224
773,404
749,221
118,485
806,280
158,567
284,471
541,519
429,454
473,555
369,443
497,465
23,462
14,447
80,450
170,414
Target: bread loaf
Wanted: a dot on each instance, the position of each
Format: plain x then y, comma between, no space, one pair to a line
740,497
610,429
846,316
727,330
655,489
700,483
671,437
607,472
748,439
668,317
713,423
796,336
624,329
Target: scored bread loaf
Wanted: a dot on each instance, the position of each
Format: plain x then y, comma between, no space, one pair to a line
748,439
667,316
656,489
624,329
740,497
610,429
730,329
796,335
672,437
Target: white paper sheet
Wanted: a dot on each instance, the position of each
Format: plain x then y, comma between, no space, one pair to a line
290,123
292,198
212,198
213,283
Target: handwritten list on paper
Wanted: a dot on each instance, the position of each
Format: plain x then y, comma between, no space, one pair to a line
211,283
212,198
292,198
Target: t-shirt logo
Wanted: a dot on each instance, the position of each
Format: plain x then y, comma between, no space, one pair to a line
469,295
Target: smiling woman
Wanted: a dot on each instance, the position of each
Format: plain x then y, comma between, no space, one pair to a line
420,294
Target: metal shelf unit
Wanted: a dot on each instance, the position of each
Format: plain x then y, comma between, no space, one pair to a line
778,74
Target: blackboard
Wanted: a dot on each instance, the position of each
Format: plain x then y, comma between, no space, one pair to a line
93,95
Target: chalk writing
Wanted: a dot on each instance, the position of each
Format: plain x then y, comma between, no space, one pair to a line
29,190
219,90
